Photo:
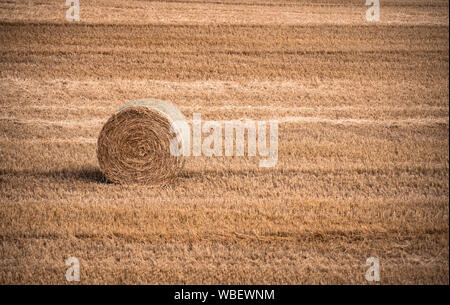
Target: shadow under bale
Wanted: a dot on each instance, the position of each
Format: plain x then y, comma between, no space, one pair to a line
86,174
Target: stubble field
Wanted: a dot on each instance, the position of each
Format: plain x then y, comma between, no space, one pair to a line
363,162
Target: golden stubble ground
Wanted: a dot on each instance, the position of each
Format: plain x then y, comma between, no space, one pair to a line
363,142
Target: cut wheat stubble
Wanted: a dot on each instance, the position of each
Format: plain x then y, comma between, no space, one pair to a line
134,144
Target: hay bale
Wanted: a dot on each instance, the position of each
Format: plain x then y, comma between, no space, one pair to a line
134,144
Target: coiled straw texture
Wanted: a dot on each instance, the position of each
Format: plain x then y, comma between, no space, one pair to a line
134,144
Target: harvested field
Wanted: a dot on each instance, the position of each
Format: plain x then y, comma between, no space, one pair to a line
363,162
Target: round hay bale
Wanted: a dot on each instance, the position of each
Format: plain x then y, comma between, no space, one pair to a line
134,144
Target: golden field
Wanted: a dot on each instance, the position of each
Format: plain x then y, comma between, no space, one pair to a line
363,162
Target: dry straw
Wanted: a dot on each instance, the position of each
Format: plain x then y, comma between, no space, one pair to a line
134,144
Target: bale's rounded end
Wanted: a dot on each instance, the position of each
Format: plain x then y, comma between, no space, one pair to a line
134,147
